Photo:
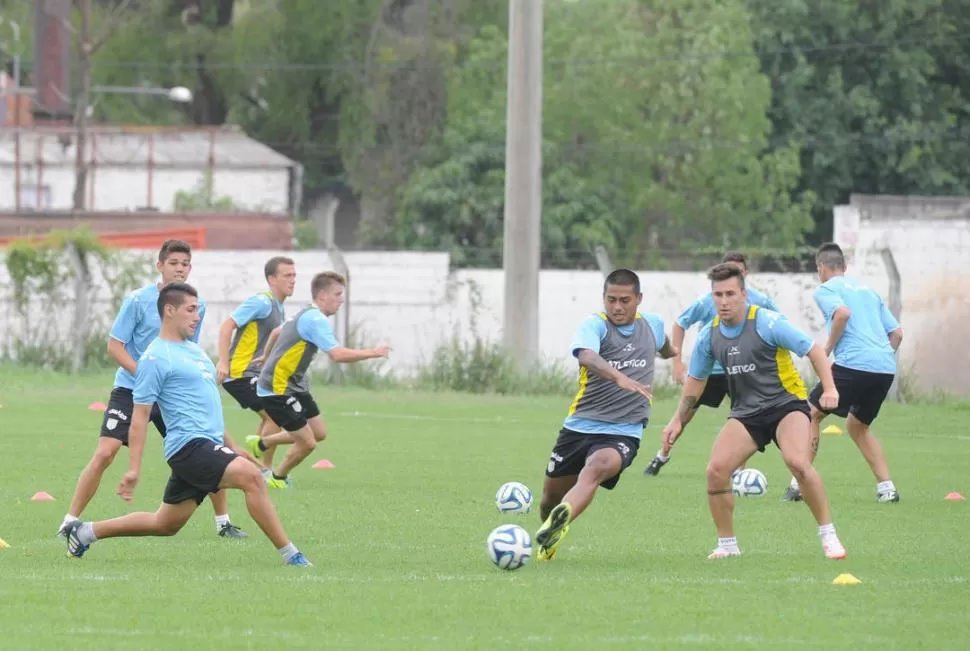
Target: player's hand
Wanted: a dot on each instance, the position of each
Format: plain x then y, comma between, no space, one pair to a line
222,371
672,432
829,399
258,361
679,371
633,386
382,351
126,489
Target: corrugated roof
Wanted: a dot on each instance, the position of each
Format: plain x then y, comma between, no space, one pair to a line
132,146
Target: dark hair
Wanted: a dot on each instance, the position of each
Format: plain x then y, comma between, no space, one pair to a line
173,246
623,278
735,256
269,269
725,271
323,280
830,255
174,294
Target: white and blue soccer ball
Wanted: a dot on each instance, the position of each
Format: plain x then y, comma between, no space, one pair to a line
509,547
513,497
749,482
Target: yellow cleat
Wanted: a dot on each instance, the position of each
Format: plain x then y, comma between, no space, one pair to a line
273,482
252,446
553,530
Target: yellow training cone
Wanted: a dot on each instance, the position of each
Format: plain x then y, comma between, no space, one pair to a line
846,579
832,429
3,544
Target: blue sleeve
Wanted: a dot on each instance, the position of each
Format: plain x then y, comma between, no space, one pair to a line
252,309
700,311
148,379
827,300
589,335
889,322
123,329
316,328
776,330
198,327
657,325
762,300
702,359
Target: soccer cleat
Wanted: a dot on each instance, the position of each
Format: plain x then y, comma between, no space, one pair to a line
75,548
723,552
273,482
553,530
833,548
299,560
792,494
62,532
252,446
653,468
229,530
888,497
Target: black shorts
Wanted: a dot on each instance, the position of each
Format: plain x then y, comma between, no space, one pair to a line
244,391
197,470
715,391
291,412
571,450
763,427
861,393
117,416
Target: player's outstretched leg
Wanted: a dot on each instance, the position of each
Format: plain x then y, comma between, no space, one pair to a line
732,448
795,441
304,442
872,451
554,489
89,480
793,493
168,520
246,477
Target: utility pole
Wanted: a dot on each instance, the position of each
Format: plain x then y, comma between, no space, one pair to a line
81,110
523,181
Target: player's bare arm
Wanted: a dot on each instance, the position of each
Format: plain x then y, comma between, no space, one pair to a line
343,355
136,448
669,350
118,353
839,320
896,338
677,342
226,329
593,362
823,369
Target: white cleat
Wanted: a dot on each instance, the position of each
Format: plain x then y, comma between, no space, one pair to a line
723,552
833,549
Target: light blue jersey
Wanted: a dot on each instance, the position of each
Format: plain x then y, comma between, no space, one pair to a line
864,346
181,379
589,335
137,325
774,329
255,308
311,326
703,311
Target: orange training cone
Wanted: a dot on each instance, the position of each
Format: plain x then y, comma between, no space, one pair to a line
323,463
41,496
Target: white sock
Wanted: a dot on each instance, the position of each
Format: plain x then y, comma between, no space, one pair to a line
826,530
221,521
793,484
730,544
85,533
68,519
885,486
288,552
661,456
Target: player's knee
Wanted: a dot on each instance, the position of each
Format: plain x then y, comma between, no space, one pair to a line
856,427
601,467
103,457
800,467
718,473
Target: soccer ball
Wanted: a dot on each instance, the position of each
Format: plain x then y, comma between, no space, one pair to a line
513,497
749,483
509,547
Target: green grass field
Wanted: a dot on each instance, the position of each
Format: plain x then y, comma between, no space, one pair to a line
396,531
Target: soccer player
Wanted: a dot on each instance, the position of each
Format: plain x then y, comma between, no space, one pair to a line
136,325
241,354
283,384
702,311
599,439
768,402
865,337
176,375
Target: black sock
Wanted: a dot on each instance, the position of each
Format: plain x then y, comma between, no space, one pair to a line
275,476
262,446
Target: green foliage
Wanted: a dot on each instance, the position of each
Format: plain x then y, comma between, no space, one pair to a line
202,198
43,283
305,234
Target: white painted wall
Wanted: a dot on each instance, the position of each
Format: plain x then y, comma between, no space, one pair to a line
122,189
